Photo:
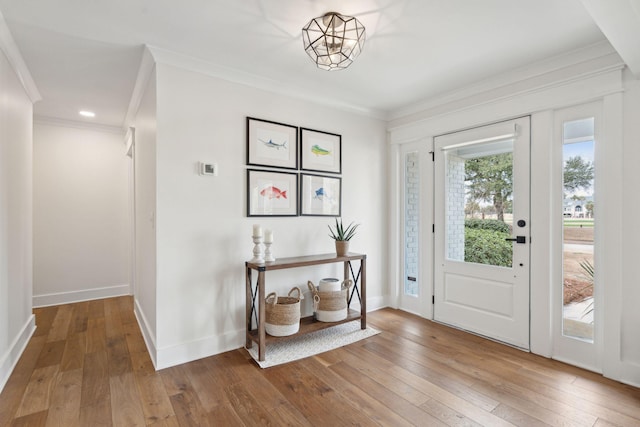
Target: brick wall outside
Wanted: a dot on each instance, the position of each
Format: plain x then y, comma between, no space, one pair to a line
455,194
412,211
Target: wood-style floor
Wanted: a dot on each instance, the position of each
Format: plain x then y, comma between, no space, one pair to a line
87,366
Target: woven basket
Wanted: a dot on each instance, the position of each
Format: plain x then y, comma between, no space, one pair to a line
282,314
330,306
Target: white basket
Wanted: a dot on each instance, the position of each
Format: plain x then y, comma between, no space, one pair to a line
330,285
331,315
281,330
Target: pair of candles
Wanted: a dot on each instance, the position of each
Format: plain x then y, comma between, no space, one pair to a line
268,234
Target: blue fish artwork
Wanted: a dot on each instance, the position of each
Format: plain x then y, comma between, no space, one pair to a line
323,195
272,144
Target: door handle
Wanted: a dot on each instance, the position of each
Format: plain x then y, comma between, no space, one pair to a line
517,239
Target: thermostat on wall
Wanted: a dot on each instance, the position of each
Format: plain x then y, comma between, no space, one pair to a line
209,169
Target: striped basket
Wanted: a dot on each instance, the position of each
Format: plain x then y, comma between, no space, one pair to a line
330,306
282,314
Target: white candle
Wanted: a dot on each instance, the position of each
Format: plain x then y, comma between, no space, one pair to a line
257,230
268,236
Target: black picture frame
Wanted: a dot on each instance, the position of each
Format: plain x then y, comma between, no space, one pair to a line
320,195
320,151
272,144
271,193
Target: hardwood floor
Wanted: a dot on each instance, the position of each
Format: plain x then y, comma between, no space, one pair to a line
87,365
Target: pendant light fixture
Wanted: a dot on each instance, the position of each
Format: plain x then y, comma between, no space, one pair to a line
333,40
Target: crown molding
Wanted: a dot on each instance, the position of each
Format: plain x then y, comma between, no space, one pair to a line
11,51
53,121
197,65
593,58
574,86
147,65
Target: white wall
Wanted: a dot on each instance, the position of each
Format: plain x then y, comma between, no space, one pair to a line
593,78
630,316
203,234
81,214
145,212
16,321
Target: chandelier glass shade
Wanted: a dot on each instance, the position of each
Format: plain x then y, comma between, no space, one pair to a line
333,41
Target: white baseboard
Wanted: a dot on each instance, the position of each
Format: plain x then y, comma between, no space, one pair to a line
208,346
147,335
194,350
631,382
377,303
45,300
9,360
627,372
185,352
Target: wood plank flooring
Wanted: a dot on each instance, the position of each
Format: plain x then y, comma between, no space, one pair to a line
87,365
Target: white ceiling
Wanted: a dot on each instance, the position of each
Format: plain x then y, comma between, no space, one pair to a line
85,54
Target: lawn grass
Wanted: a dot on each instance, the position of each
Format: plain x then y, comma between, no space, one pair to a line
578,222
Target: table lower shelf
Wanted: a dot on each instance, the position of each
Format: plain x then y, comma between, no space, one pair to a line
308,325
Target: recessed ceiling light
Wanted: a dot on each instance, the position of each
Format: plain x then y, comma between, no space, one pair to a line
86,113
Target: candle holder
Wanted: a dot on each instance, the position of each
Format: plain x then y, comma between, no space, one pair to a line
257,250
268,256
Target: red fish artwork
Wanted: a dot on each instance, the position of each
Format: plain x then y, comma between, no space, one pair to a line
272,192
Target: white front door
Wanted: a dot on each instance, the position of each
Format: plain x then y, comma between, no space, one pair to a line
482,231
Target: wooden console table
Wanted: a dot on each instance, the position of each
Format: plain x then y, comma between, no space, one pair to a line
256,311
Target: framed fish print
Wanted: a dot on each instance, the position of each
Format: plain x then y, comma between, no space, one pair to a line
320,195
272,193
272,144
320,151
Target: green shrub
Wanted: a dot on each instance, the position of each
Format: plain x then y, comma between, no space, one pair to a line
487,224
485,246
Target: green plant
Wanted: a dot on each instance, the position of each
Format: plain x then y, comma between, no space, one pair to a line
341,233
588,268
487,224
484,246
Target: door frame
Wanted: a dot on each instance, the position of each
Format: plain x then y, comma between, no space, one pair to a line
130,152
570,350
420,305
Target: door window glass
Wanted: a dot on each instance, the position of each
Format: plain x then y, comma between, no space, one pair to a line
578,229
479,219
411,216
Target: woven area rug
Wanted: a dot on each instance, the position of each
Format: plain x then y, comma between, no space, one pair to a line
284,351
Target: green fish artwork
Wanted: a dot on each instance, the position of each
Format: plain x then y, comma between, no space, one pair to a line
319,151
